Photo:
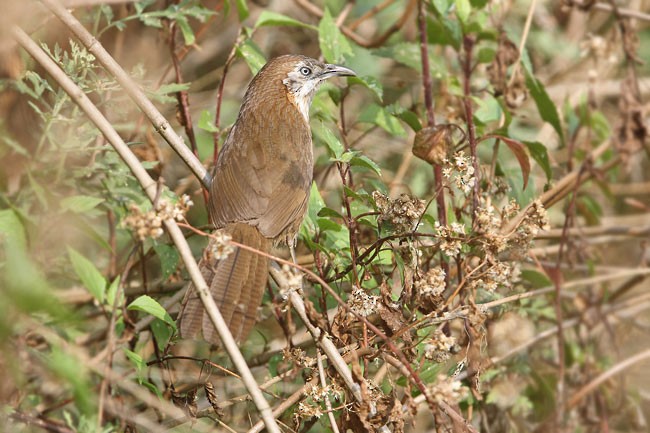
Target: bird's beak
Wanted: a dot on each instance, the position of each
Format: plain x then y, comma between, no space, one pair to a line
336,71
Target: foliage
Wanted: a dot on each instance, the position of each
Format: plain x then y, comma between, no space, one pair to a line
442,279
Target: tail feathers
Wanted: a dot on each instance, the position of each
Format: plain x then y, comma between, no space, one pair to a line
236,284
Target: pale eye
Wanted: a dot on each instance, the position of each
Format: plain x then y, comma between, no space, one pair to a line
305,71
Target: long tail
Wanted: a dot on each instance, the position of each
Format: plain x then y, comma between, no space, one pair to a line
236,284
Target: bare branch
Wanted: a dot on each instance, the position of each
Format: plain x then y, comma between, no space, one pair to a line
149,186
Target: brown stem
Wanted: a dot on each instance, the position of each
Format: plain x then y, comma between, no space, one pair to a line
557,282
181,95
468,47
431,121
217,115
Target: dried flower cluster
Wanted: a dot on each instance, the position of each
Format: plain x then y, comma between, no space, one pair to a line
298,357
460,171
536,219
403,213
451,238
489,224
306,411
447,389
149,224
363,303
431,284
220,246
498,274
440,347
316,396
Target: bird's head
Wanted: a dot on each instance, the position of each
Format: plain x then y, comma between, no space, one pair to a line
298,77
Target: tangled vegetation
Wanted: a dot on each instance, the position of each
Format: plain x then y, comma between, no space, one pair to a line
475,252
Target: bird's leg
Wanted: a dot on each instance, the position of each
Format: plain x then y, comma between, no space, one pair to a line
292,251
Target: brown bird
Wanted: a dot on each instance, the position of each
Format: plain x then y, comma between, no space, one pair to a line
260,190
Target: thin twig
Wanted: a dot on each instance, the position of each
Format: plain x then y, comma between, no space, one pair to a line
181,95
606,7
150,188
522,42
162,126
468,47
323,384
428,103
606,375
217,111
322,340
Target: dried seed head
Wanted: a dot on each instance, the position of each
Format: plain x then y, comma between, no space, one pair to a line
432,284
221,247
460,171
448,390
440,347
149,224
403,213
362,303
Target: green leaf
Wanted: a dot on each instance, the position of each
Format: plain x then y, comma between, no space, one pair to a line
327,212
112,291
382,118
268,18
364,161
171,88
149,305
151,21
536,279
406,53
186,30
489,110
545,106
242,9
137,361
252,55
74,373
540,154
442,6
333,44
24,287
371,83
463,8
486,55
310,222
12,232
206,122
80,203
166,93
333,143
444,32
410,118
91,278
168,259
162,333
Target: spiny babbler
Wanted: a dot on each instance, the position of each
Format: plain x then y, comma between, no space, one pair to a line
260,190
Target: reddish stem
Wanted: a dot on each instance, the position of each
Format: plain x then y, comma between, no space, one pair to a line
468,46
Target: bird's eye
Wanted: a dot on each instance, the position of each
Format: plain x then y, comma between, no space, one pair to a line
305,71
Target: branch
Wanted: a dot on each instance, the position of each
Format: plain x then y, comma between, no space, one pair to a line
162,126
322,340
606,375
150,188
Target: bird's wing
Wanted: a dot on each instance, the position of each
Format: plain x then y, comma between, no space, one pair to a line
263,178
